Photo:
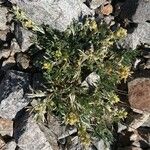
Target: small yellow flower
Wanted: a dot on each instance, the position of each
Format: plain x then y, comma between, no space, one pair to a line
58,54
84,137
47,66
114,98
124,72
120,33
93,26
72,119
28,24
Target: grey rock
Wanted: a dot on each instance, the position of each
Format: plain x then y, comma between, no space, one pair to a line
3,20
136,10
8,63
5,53
13,88
90,80
96,3
28,134
11,145
56,13
121,127
139,121
23,60
146,123
141,35
23,37
147,65
142,12
101,145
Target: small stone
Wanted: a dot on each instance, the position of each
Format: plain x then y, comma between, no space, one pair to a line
22,60
9,63
107,9
3,34
5,53
139,94
147,65
6,127
3,20
121,127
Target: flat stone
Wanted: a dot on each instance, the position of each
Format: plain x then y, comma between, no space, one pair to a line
28,134
6,127
56,13
3,20
139,94
13,88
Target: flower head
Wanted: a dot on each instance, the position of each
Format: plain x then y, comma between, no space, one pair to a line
72,118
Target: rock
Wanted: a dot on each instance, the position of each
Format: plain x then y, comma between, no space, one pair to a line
90,80
139,94
5,53
2,144
28,134
11,145
3,34
121,127
139,121
3,20
6,127
146,123
8,63
101,145
23,37
142,13
147,64
130,148
58,14
141,35
22,60
96,3
13,88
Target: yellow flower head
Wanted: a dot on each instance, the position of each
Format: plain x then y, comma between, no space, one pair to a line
72,118
47,66
93,26
120,33
124,72
29,24
84,137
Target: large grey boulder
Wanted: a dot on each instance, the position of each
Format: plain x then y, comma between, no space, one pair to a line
3,20
12,90
56,13
136,10
141,35
142,12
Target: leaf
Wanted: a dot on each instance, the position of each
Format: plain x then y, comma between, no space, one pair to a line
107,9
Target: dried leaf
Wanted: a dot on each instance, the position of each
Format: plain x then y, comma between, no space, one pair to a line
107,9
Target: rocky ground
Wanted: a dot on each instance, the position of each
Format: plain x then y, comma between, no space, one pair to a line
18,129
